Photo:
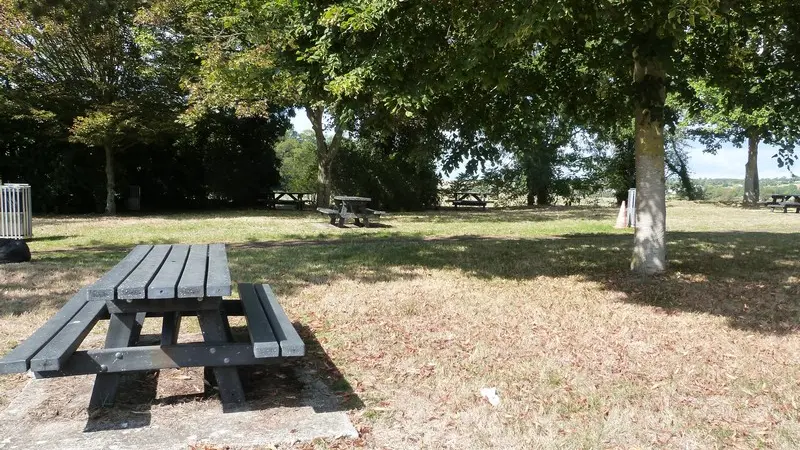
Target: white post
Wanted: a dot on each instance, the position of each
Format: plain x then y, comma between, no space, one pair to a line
632,207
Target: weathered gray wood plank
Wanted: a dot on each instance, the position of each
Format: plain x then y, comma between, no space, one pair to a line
68,339
154,357
135,285
123,331
105,287
170,328
17,361
193,279
289,340
163,305
218,282
228,381
165,283
264,343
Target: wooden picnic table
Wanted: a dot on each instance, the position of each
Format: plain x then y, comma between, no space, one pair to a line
167,282
352,204
784,202
469,198
351,207
777,198
298,199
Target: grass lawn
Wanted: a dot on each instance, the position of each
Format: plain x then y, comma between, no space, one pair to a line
416,316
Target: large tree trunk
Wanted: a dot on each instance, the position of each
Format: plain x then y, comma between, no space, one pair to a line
539,176
326,152
323,183
111,203
751,189
543,195
650,243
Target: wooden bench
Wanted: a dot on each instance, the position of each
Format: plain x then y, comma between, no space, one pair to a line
298,204
331,213
481,203
785,206
70,325
368,215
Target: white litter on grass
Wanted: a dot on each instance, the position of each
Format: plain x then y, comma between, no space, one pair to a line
490,394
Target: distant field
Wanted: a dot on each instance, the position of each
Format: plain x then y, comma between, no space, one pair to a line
416,316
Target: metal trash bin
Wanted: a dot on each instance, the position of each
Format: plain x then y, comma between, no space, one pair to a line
16,215
134,198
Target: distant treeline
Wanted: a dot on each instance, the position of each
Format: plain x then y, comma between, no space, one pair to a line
222,160
732,189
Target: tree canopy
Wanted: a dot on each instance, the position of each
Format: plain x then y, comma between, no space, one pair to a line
396,87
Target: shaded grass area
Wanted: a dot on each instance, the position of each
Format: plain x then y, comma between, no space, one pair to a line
416,318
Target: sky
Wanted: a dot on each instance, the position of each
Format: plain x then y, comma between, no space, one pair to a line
727,163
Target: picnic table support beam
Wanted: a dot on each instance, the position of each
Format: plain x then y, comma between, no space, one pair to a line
122,331
227,378
170,328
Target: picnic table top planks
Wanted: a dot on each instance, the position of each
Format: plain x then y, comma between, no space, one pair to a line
351,198
166,272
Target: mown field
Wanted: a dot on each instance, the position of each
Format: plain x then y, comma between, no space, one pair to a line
416,316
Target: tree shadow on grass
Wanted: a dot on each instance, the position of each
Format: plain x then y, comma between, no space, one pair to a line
49,238
750,278
527,214
515,214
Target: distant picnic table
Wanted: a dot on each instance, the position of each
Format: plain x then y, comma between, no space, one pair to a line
784,202
298,199
351,207
470,198
167,282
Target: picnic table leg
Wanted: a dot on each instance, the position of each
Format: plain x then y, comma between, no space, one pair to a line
227,378
366,222
170,328
341,221
123,331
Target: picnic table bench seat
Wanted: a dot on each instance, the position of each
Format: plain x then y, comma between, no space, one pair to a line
785,206
470,202
42,351
271,332
331,213
297,203
374,212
